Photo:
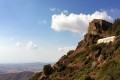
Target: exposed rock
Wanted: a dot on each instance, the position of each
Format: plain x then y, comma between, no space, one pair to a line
97,53
101,58
63,58
80,44
42,76
97,29
98,26
94,64
117,38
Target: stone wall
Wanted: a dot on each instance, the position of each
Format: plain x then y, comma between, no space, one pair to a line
98,26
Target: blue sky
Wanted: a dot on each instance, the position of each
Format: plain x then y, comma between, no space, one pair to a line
44,30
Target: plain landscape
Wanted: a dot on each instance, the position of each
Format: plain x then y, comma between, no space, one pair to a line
19,71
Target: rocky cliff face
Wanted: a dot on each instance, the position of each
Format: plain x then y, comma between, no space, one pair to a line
98,26
97,29
89,61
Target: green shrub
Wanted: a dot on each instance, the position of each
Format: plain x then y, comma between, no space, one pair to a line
85,77
117,52
47,69
117,32
116,22
102,45
116,27
81,56
111,69
95,47
95,38
110,50
106,77
117,44
61,67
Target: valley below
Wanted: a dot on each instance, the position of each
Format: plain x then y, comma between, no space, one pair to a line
22,71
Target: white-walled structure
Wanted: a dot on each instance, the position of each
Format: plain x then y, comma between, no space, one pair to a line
106,40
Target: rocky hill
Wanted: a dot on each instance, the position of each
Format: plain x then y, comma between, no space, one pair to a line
90,60
17,76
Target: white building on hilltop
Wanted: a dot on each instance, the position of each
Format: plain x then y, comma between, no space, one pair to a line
106,40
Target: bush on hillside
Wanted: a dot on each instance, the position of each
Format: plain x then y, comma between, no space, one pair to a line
117,32
106,77
116,27
85,77
95,47
111,69
116,22
47,69
61,68
81,57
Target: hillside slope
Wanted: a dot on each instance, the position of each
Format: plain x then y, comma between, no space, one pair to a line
89,61
17,76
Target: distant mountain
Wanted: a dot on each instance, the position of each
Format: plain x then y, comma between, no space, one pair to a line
17,76
15,68
22,71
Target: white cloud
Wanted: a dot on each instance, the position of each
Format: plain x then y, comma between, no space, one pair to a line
31,45
18,44
52,9
55,10
77,22
65,11
115,10
66,49
59,10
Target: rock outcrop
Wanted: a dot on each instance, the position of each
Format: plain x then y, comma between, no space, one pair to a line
98,26
97,29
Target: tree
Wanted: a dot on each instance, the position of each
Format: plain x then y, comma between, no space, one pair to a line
47,69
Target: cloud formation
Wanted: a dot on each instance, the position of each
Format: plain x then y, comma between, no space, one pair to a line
31,45
59,10
52,9
66,49
65,11
76,22
18,44
115,10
